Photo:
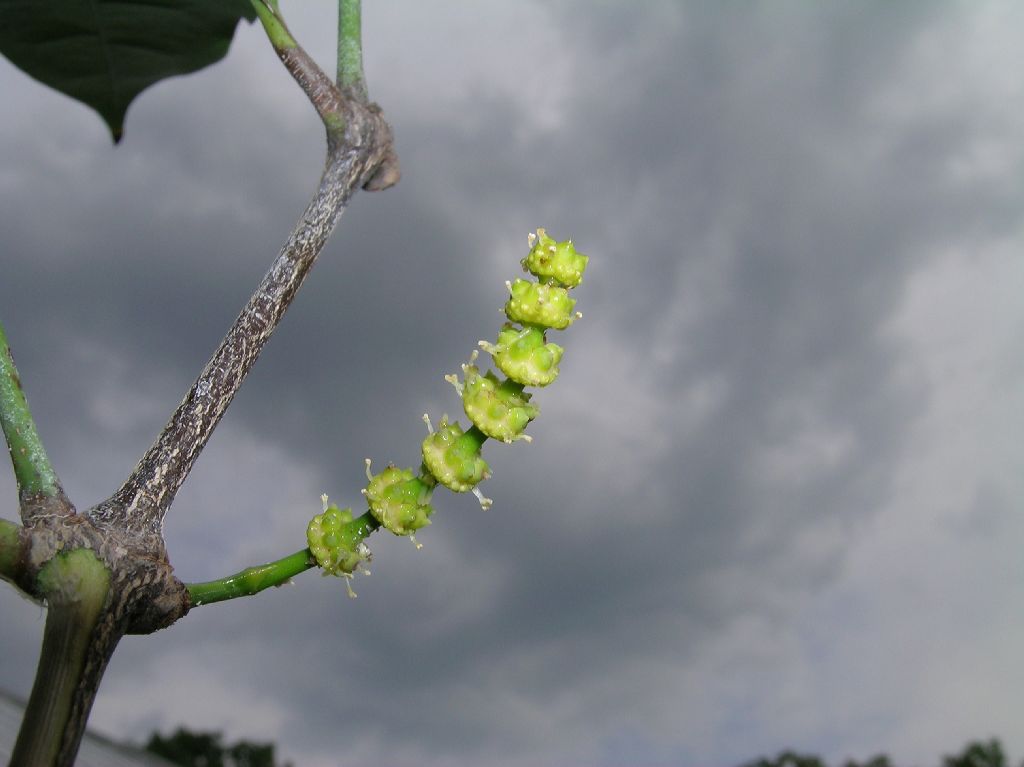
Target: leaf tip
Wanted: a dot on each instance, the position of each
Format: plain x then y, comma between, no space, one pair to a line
116,128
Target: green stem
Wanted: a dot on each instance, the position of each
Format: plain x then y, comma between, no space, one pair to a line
75,585
32,467
10,549
476,435
359,529
273,24
251,580
350,48
318,87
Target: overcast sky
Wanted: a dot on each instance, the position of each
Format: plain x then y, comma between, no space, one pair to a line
774,498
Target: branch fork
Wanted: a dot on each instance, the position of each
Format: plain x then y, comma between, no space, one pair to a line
105,572
360,153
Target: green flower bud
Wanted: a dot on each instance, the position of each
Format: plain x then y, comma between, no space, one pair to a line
532,303
398,499
556,263
500,409
522,355
453,456
333,543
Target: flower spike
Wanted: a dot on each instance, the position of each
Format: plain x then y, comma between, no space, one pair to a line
499,408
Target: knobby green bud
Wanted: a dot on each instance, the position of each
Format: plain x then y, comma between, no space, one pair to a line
399,499
336,546
532,303
557,263
500,409
453,456
522,355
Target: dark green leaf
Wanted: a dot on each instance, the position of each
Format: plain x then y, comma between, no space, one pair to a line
105,52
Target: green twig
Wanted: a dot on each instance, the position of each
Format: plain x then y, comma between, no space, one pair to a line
251,580
318,87
350,48
10,549
75,585
32,467
273,23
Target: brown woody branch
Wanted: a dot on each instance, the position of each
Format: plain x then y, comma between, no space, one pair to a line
360,153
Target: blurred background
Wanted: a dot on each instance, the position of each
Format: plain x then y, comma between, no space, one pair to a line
774,498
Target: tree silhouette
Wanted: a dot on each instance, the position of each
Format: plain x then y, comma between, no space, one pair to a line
988,753
206,749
